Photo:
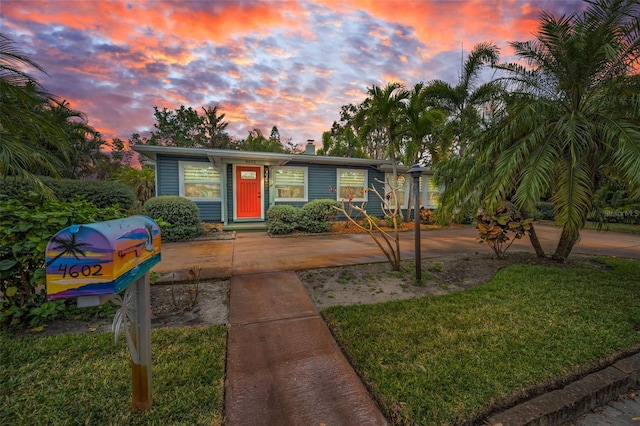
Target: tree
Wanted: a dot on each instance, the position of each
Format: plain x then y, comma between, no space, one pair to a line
463,103
214,129
575,115
141,181
383,111
83,155
182,127
257,142
420,132
342,140
22,124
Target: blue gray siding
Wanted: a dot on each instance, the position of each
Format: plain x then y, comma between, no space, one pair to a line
322,181
169,184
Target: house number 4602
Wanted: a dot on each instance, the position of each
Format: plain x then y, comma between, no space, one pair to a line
74,271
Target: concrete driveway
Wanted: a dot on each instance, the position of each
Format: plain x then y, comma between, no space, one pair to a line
257,252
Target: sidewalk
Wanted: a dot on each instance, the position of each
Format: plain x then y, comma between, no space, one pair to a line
283,366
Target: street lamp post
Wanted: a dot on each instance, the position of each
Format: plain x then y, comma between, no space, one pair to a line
415,171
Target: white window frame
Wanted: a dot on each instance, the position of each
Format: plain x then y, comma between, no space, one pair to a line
182,181
405,199
424,195
365,187
306,184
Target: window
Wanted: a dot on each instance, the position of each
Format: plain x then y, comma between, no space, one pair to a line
290,183
352,185
400,183
433,194
199,181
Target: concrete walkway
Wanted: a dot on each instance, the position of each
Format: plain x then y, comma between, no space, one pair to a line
283,366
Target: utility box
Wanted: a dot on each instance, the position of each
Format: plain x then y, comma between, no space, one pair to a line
95,261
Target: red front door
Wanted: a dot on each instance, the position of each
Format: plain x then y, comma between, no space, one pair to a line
248,192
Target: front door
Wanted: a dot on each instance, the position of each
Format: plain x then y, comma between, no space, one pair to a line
248,192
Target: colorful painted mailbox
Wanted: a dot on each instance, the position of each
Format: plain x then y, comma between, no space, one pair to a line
97,260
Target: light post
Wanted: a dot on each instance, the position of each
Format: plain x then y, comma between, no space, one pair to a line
416,171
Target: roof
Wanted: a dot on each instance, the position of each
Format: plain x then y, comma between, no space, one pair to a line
225,156
219,156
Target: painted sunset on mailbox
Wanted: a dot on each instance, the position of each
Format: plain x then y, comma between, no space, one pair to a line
101,258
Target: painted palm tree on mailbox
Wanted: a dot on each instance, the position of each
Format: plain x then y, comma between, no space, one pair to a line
68,246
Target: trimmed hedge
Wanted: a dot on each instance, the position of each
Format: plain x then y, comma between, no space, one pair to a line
313,217
181,214
101,193
282,219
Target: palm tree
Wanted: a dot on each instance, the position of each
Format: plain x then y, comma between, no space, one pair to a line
22,124
464,101
384,111
575,115
421,126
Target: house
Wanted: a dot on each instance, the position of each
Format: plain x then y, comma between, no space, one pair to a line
231,186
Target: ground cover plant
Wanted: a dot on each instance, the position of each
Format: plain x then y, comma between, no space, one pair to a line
86,379
455,358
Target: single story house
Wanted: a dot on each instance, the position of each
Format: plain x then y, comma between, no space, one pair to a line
231,186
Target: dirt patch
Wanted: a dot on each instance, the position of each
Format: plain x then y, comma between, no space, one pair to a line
172,305
375,283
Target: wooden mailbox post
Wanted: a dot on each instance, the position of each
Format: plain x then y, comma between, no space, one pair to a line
95,262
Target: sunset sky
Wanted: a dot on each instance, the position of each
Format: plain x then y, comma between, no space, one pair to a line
291,64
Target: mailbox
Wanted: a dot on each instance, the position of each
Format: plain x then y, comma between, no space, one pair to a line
100,259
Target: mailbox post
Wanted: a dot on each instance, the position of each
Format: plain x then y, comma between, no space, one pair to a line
97,261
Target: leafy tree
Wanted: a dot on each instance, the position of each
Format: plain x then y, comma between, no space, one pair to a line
573,118
141,181
257,142
214,129
22,124
83,155
463,103
342,140
421,135
383,111
181,127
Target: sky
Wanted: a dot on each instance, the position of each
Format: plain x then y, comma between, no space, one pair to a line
290,64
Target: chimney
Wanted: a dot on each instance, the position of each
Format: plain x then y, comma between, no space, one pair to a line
310,149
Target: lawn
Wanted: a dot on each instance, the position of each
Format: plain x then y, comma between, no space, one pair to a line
625,228
86,379
454,358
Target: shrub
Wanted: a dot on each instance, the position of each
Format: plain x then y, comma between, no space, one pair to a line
182,216
26,226
282,219
427,216
315,215
494,228
99,192
545,211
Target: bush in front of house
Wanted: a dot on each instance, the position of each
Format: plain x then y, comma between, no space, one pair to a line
102,193
181,214
314,216
26,226
544,211
282,219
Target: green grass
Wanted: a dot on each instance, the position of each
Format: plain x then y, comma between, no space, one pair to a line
445,359
616,227
86,379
